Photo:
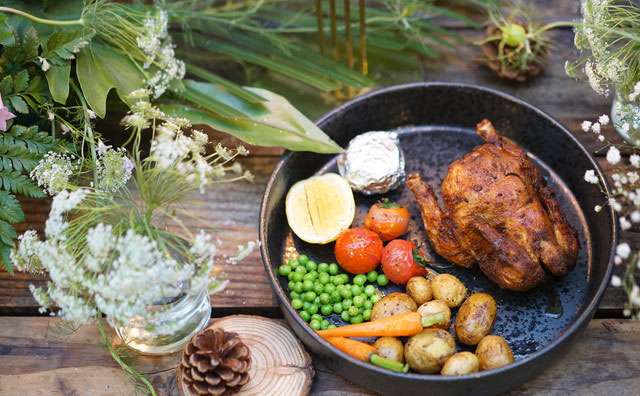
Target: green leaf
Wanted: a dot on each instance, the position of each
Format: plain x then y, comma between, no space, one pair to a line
19,184
21,80
275,123
19,104
223,82
32,139
100,68
6,35
7,234
58,80
6,85
25,50
63,44
18,158
10,210
205,95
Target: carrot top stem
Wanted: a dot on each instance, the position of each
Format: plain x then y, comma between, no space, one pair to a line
388,363
429,320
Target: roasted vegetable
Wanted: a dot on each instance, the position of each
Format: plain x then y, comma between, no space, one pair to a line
436,307
449,289
419,289
389,348
493,352
393,304
358,250
387,219
427,351
475,318
366,353
461,363
402,260
404,324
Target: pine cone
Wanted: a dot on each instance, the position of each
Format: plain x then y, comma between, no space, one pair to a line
214,362
491,52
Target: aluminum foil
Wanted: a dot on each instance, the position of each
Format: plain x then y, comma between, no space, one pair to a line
373,163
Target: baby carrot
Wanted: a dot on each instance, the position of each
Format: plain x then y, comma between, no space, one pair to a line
404,324
366,353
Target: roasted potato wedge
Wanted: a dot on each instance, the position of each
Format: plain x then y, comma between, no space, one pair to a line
393,304
475,318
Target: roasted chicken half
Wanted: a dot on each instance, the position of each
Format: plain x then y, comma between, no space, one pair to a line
499,213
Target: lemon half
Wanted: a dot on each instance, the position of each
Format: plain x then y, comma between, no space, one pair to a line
320,208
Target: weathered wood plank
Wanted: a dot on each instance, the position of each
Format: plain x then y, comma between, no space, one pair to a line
33,359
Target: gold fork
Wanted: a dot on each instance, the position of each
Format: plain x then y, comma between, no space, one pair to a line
364,66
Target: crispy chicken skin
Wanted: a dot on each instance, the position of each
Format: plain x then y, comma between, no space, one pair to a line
499,213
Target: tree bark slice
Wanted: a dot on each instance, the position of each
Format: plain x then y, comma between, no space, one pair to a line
280,365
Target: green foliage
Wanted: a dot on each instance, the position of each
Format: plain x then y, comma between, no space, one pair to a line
61,46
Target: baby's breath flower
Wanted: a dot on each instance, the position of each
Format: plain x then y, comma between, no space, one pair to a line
596,127
586,125
603,119
114,169
597,208
601,138
624,224
623,250
613,155
590,177
53,172
616,281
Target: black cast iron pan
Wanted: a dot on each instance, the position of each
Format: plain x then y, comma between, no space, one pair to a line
436,125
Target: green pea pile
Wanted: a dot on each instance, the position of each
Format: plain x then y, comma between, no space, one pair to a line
319,290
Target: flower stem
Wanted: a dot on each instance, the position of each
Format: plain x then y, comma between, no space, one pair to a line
122,364
41,20
89,132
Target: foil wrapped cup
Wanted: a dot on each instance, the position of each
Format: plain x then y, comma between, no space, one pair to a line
373,163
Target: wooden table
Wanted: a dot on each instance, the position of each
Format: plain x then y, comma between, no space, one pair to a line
36,361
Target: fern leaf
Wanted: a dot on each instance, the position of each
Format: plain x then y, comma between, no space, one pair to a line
7,234
30,138
18,158
19,184
10,210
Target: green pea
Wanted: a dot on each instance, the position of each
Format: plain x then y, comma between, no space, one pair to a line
297,277
293,263
298,287
366,315
318,288
359,279
331,326
316,300
324,278
369,290
291,274
308,276
368,304
304,315
324,324
307,285
345,293
345,316
294,295
305,305
337,308
316,317
311,266
302,259
353,311
291,285
372,276
357,319
345,278
358,301
339,280
284,270
326,309
335,296
382,280
310,296
301,270
375,299
339,287
325,298
313,309
356,290
315,324
329,288
296,303
333,269
323,267
347,303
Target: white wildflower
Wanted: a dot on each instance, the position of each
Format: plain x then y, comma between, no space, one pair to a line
617,260
102,148
626,312
53,172
623,250
44,64
613,155
586,125
601,138
635,160
90,113
595,127
50,115
603,119
615,204
635,216
624,224
625,127
114,169
597,208
590,177
616,281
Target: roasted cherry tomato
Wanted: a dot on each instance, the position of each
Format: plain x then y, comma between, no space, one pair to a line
387,219
401,261
358,250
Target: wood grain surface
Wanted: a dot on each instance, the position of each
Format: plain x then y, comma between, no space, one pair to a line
34,360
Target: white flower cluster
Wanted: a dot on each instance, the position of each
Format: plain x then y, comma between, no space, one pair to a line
113,167
120,274
53,172
158,49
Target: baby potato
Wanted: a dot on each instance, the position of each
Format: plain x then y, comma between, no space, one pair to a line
475,318
389,348
427,351
419,288
493,352
461,363
449,289
435,307
393,304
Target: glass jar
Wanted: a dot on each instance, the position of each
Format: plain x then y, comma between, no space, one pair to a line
623,112
172,326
